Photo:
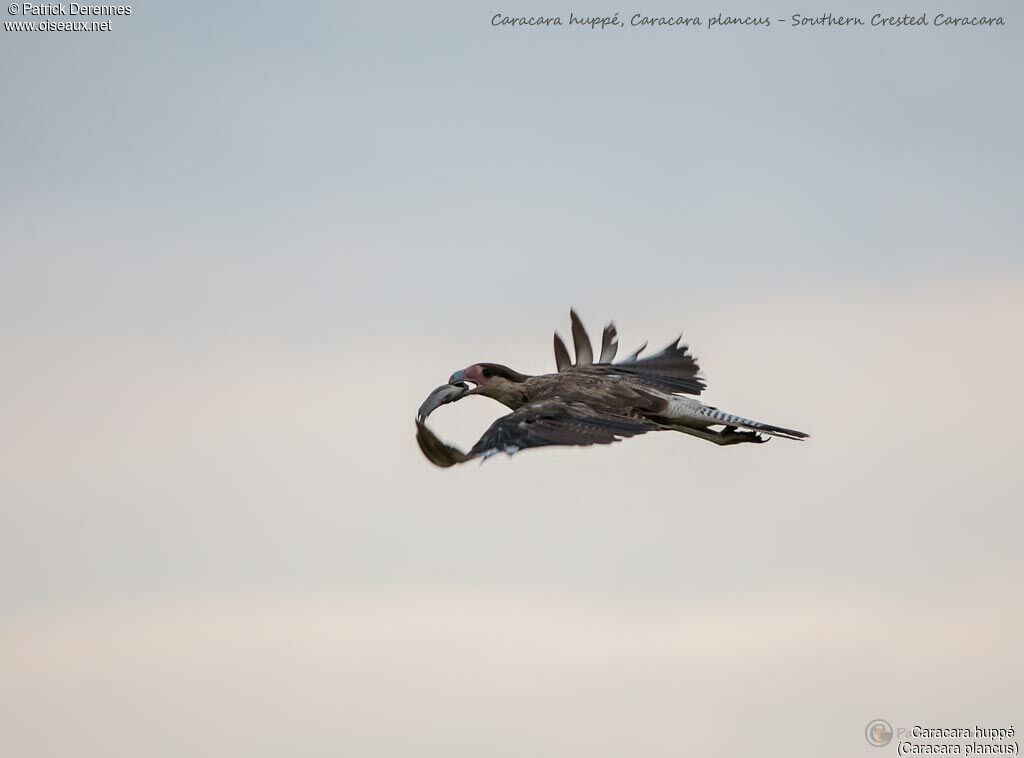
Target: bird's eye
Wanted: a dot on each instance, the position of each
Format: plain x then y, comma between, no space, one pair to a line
487,373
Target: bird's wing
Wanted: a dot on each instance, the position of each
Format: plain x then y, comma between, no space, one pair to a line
556,423
674,369
536,425
437,452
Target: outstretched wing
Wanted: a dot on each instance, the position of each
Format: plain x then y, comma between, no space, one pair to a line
556,423
437,452
535,425
674,369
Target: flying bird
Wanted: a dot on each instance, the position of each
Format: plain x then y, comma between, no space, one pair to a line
590,403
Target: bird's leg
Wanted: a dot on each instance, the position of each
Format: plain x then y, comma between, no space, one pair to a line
730,435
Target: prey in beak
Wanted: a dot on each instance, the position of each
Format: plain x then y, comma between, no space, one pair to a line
446,393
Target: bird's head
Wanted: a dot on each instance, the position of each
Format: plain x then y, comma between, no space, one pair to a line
494,381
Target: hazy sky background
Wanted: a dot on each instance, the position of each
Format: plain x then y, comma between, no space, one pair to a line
241,242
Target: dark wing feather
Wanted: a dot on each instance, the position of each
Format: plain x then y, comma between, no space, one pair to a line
634,355
556,423
673,369
437,452
581,341
562,359
609,344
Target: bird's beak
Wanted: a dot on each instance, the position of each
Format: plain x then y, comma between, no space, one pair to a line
446,393
457,377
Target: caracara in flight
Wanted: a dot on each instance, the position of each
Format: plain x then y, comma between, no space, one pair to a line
590,403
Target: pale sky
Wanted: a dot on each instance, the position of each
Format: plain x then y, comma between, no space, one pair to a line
243,242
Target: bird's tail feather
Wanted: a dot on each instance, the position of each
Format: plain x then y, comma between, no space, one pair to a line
776,431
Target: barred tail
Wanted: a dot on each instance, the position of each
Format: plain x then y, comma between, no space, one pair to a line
729,419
